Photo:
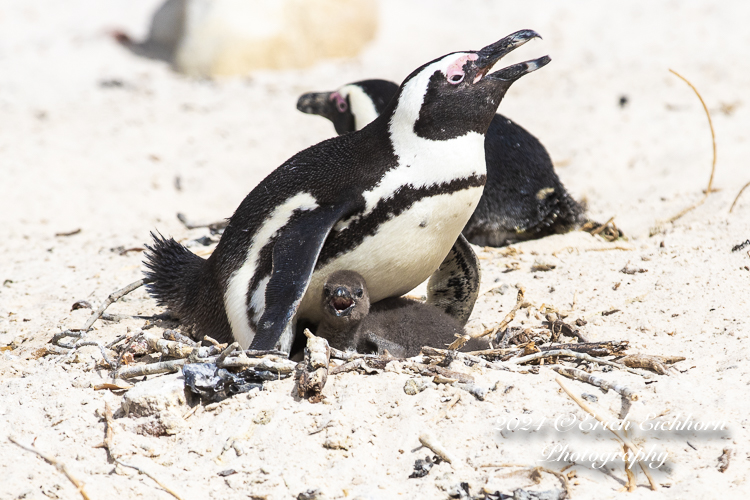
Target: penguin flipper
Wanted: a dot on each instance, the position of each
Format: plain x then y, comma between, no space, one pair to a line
454,287
295,254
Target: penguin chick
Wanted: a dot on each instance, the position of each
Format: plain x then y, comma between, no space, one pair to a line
523,198
398,325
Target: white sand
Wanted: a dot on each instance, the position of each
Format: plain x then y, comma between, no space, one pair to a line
74,154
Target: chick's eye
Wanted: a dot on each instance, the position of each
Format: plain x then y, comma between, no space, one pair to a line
359,294
326,291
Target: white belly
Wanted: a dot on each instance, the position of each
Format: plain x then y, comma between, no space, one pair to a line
404,252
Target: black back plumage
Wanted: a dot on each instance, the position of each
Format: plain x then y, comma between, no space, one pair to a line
523,198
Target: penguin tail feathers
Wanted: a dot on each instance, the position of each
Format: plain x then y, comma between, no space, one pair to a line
172,268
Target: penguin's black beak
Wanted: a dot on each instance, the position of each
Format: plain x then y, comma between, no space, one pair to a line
342,302
491,54
316,103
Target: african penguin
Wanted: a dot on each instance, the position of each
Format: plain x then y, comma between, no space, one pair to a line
399,325
388,201
523,198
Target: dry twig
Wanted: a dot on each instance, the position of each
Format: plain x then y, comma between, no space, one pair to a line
651,362
429,441
738,197
109,444
154,478
314,369
113,297
623,439
604,385
573,354
55,463
713,142
460,341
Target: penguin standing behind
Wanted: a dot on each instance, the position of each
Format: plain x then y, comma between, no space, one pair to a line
388,201
523,198
400,326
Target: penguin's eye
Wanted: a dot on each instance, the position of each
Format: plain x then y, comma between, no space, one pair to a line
359,293
326,291
456,78
341,104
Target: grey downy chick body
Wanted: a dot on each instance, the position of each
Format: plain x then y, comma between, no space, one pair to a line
523,197
399,325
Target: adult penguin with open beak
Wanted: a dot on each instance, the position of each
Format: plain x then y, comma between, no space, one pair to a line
388,201
523,197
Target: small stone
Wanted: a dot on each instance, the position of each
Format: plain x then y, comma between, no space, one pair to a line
155,396
263,417
338,442
590,397
313,494
415,386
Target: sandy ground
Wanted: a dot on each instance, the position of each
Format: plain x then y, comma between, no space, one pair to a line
94,138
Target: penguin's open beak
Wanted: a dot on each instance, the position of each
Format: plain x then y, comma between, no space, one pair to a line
316,103
341,302
489,55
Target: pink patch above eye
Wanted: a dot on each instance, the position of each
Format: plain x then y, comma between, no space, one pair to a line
456,70
340,102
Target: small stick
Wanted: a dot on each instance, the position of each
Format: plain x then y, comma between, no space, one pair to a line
429,441
280,365
313,372
738,197
650,362
605,386
211,340
55,463
122,353
119,339
152,369
460,341
177,349
213,226
624,440
631,486
713,142
463,356
602,227
226,352
146,473
448,406
109,444
109,434
573,354
113,297
82,342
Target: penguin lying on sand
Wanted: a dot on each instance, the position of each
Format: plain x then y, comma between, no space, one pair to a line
523,198
399,325
388,201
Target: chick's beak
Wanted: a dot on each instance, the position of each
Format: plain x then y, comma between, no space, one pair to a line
341,302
